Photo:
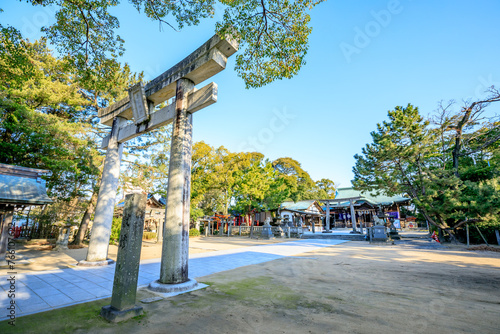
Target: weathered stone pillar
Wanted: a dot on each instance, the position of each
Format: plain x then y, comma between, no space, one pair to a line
159,232
63,238
5,224
353,216
175,250
101,229
127,263
267,232
327,225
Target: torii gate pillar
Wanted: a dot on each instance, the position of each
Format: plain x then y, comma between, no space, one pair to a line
101,229
175,249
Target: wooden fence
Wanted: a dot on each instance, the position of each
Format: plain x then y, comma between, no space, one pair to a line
33,232
295,232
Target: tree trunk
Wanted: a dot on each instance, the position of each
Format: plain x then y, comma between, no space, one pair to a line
456,152
451,232
441,227
69,209
498,236
482,236
28,217
85,220
458,136
440,235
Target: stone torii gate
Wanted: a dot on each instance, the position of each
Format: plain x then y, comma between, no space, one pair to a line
351,205
179,81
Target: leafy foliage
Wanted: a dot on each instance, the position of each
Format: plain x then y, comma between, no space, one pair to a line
48,120
50,87
149,235
299,184
223,181
84,33
15,66
194,232
116,228
273,33
450,183
147,162
326,189
32,139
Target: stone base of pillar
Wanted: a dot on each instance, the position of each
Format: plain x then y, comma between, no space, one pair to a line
112,314
168,288
95,263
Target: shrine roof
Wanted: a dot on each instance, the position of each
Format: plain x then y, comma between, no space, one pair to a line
375,199
22,186
299,205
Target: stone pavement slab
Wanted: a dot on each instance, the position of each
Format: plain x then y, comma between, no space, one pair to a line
41,291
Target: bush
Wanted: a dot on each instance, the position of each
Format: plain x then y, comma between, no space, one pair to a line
149,235
116,228
194,232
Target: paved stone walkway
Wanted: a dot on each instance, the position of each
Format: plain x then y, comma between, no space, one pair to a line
41,291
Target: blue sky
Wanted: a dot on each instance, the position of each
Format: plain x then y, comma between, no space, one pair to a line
365,58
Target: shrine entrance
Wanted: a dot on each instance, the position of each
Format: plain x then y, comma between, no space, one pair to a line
136,115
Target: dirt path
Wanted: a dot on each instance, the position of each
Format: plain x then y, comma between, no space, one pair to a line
349,288
353,287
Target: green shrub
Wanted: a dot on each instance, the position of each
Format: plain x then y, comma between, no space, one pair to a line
116,228
194,232
149,235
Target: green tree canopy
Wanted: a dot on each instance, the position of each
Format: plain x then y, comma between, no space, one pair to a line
449,186
297,180
48,119
326,189
223,181
32,139
273,34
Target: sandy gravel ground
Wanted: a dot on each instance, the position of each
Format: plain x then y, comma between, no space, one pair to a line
353,287
350,288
